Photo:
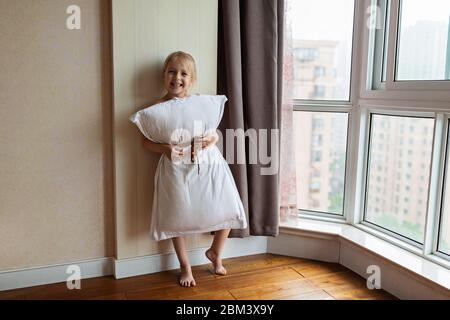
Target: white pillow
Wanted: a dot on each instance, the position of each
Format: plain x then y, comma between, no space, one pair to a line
180,119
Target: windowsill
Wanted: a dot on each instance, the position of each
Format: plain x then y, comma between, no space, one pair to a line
360,236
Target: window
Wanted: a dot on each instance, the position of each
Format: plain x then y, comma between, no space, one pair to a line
303,54
320,160
316,156
319,91
317,140
315,186
322,40
322,51
317,124
423,51
319,71
412,46
411,224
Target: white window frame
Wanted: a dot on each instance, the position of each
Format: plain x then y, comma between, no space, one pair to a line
368,111
429,99
425,90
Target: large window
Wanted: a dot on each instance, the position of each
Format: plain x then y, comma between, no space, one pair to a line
398,174
377,152
322,44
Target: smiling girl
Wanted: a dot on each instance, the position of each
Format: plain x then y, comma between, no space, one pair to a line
179,76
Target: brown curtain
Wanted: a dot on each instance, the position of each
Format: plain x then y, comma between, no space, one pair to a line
250,68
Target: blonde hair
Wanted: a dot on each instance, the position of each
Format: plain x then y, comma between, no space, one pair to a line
183,57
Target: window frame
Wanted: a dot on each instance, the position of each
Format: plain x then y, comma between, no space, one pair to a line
320,215
431,233
416,98
372,110
353,71
428,90
339,106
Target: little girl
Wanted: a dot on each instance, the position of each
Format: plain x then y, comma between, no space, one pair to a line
179,76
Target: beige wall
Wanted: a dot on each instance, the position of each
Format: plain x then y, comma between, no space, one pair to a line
56,147
56,115
145,32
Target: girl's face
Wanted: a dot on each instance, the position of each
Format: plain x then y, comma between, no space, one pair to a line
177,79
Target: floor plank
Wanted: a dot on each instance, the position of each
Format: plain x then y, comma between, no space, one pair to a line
258,262
317,268
270,291
358,292
314,295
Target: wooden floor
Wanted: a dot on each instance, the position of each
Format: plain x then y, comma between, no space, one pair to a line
263,276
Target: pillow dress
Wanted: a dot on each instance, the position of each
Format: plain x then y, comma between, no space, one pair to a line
190,197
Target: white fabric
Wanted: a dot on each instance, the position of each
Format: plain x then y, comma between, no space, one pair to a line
190,198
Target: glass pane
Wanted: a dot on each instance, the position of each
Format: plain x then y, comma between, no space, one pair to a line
322,33
444,226
423,52
321,143
398,174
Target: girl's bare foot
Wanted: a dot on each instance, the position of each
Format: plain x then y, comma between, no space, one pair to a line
186,277
217,263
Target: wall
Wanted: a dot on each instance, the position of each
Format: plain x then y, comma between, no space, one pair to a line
144,33
59,161
56,190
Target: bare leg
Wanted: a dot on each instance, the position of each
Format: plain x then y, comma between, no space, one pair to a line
186,278
213,253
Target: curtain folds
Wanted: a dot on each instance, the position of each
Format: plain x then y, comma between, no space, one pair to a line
250,74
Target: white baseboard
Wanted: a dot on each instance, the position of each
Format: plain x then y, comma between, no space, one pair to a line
37,276
304,246
30,277
125,268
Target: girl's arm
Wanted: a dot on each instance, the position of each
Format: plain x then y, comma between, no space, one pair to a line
160,148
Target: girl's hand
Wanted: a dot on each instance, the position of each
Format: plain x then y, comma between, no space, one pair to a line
209,140
173,152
